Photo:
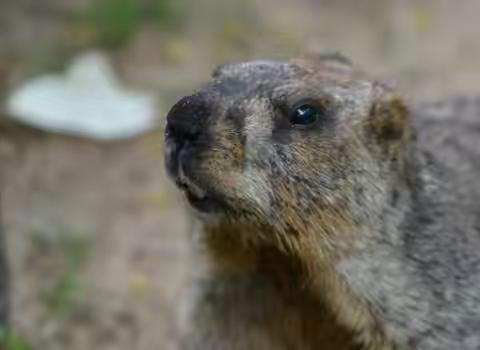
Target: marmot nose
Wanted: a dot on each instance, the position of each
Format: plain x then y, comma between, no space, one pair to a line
186,119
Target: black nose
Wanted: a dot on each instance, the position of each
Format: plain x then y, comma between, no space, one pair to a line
186,119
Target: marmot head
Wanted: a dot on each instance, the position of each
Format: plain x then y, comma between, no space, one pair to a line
310,145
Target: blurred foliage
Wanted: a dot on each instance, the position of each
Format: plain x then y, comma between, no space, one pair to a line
424,19
54,62
10,341
73,248
65,295
113,22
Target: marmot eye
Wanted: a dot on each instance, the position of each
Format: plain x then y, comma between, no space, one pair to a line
304,115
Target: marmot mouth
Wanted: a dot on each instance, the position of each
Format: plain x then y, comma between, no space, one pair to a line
197,197
194,190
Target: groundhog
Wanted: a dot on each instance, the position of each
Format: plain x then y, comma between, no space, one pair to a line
332,214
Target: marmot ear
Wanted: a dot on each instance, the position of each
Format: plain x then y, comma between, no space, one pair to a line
389,118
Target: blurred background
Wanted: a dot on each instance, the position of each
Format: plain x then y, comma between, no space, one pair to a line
96,237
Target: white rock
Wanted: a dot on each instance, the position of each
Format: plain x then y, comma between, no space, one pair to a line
87,101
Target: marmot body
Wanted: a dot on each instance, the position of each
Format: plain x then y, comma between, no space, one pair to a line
333,216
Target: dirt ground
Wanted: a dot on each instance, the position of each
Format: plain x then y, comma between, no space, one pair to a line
97,237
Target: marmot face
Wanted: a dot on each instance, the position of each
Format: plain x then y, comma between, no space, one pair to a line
287,144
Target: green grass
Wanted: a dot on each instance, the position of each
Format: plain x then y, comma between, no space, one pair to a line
63,298
115,21
69,249
10,341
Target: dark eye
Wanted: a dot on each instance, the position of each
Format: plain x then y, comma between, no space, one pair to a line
304,115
